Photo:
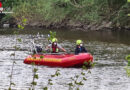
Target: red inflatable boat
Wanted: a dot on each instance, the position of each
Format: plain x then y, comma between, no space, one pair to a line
62,60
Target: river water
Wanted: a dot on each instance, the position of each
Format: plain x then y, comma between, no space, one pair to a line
108,48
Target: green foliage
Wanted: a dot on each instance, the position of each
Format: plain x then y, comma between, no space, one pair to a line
12,84
24,21
6,18
51,12
36,76
51,35
120,18
35,70
85,63
57,73
78,80
84,67
19,40
9,89
20,27
127,57
41,57
70,84
127,68
45,88
10,3
34,83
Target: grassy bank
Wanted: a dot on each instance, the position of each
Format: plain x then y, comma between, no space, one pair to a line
71,12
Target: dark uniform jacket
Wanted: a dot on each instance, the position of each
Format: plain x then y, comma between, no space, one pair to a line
80,49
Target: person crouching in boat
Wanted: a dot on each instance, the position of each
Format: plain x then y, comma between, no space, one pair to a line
55,46
79,47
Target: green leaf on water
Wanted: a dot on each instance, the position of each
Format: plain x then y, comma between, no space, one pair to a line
9,89
50,83
84,67
19,40
128,63
45,88
84,79
78,88
12,84
35,70
70,84
72,78
82,73
79,83
36,76
52,75
77,76
49,80
57,74
127,70
127,57
93,64
41,57
17,48
34,83
85,63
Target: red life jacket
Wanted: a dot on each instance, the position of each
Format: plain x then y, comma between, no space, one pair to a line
54,48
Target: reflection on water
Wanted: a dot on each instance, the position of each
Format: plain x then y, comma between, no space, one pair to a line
108,48
113,36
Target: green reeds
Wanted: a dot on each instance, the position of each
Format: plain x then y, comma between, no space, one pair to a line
127,68
20,27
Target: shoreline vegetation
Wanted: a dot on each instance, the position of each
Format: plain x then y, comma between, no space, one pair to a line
71,14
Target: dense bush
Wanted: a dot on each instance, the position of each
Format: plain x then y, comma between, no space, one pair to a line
56,11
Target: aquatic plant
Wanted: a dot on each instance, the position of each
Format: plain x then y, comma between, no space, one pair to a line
57,73
20,27
35,76
127,68
79,79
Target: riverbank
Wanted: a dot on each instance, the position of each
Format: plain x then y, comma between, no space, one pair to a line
83,26
75,15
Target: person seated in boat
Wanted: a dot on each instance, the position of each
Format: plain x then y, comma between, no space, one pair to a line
55,46
79,47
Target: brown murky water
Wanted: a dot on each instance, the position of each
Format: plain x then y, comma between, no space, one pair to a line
109,49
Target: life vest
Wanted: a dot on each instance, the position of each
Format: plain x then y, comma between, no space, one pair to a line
54,48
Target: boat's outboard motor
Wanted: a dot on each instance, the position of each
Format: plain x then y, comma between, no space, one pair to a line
37,49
